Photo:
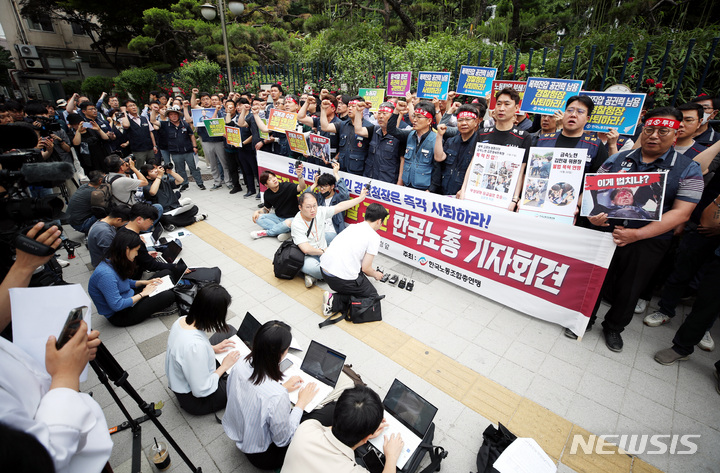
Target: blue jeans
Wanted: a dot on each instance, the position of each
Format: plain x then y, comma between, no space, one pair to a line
311,266
85,226
273,224
329,237
180,160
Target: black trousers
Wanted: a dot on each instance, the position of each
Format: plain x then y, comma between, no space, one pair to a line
630,270
704,311
248,163
144,308
344,288
233,165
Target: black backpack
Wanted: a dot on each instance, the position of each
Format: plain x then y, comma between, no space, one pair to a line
289,258
102,199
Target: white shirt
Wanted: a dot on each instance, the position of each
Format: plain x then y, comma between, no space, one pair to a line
329,227
190,361
343,259
69,424
258,415
316,237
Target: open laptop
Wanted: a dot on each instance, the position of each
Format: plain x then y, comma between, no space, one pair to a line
152,239
173,279
169,253
322,366
408,414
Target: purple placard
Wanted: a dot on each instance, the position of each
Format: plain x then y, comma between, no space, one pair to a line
398,83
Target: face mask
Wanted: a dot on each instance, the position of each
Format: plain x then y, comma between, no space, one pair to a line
325,194
706,117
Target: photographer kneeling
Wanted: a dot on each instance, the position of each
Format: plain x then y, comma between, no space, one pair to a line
162,182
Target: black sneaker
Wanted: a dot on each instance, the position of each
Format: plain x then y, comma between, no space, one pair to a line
613,340
236,189
261,206
184,187
201,187
248,194
570,334
257,197
169,310
70,244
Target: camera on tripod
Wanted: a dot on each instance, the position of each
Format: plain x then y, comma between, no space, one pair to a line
45,125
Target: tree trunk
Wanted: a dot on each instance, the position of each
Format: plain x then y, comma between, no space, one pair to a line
395,4
515,24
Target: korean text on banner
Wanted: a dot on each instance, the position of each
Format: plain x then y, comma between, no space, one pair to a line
629,196
546,96
550,271
281,121
374,96
319,147
494,173
398,83
476,81
433,85
498,85
233,136
201,114
297,142
612,110
215,127
553,183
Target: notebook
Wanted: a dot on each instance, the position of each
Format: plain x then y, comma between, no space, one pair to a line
408,414
322,366
171,251
171,280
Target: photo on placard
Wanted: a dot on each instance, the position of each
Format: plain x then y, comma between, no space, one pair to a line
535,192
540,165
627,196
561,193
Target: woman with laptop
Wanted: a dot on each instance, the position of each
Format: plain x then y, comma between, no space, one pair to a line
121,300
194,377
260,418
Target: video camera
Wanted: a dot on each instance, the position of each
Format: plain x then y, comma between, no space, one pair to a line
47,126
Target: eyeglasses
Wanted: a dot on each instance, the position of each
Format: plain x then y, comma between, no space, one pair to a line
578,111
660,131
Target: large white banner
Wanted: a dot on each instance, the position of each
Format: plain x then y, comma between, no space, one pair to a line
545,269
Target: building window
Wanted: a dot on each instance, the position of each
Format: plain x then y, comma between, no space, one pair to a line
44,24
77,29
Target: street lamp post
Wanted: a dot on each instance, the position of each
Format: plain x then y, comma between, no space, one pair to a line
209,12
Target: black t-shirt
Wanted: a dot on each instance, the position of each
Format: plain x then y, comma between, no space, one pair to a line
567,142
284,201
514,137
79,208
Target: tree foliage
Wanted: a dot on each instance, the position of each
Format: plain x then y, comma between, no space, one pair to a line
138,82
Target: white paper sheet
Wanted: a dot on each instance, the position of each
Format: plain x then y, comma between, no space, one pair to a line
524,455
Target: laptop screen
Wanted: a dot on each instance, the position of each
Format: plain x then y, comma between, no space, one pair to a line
322,363
409,408
248,328
157,233
179,271
171,251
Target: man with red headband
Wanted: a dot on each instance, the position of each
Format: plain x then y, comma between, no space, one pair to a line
641,245
352,148
383,159
314,122
457,152
417,162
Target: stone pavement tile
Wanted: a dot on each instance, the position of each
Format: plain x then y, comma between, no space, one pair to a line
539,334
386,339
116,339
562,468
478,359
154,346
451,377
157,364
200,458
660,391
512,376
639,466
592,416
572,351
206,427
605,393
494,341
416,357
491,400
631,342
433,334
465,326
139,372
525,356
378,371
707,457
226,455
468,428
147,329
664,333
549,430
632,435
509,322
643,408
695,403
609,369
593,462
561,372
483,310
449,409
397,316
645,362
550,395
696,373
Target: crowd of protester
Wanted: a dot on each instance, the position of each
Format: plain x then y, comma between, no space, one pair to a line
146,157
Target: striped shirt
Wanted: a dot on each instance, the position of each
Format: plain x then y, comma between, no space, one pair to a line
258,415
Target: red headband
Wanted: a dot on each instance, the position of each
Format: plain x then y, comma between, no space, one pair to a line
424,113
292,100
467,115
666,122
353,102
385,109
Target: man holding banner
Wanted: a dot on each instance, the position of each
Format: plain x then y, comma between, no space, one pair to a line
457,152
641,245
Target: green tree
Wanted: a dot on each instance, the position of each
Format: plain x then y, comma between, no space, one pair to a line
6,64
138,82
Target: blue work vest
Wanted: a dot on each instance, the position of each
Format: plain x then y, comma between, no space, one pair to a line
352,148
383,159
455,165
139,135
418,168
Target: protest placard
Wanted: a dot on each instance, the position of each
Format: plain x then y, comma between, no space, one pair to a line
433,85
476,81
553,183
494,173
265,87
545,270
627,196
215,127
281,121
498,85
615,110
398,83
297,142
319,147
200,114
374,96
546,96
233,136
263,134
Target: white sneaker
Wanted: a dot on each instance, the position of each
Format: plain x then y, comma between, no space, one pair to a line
64,264
707,343
641,306
656,319
309,281
258,234
327,303
284,236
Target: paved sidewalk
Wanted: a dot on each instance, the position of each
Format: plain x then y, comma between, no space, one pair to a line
478,361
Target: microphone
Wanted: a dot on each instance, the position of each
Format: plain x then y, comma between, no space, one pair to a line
20,135
40,172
